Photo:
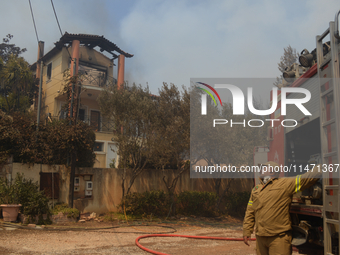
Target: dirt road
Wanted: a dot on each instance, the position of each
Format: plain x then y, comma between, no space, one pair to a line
121,240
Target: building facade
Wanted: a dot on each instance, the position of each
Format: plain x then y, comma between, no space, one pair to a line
81,55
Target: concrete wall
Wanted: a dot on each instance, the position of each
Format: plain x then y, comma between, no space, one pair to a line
107,186
107,189
50,87
32,172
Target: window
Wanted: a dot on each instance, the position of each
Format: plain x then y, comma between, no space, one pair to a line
98,146
63,112
49,71
95,120
81,115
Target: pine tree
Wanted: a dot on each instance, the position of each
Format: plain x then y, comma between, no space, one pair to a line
288,58
7,49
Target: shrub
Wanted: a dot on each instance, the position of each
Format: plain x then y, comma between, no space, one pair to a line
51,145
116,216
34,202
63,207
196,203
8,137
149,202
25,192
236,203
8,192
110,216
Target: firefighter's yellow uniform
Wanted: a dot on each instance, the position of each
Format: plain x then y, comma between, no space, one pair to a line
268,210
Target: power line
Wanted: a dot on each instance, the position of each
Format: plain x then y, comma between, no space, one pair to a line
35,28
56,17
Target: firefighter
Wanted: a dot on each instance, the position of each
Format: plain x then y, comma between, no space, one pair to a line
268,209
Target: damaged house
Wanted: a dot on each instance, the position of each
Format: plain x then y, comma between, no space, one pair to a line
82,55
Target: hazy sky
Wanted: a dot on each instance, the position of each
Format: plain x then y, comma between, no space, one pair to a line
173,41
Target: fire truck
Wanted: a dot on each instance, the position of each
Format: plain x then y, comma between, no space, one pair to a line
314,139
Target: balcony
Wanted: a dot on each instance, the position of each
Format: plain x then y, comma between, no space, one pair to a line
97,122
95,77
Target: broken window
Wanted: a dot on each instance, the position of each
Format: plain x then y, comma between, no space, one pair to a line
49,71
98,146
92,75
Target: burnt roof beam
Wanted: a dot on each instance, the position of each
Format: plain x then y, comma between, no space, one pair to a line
93,41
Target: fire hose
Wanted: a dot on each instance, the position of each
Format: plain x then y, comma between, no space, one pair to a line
185,236
6,224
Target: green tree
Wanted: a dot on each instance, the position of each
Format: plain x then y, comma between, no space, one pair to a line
288,58
222,144
8,137
171,140
66,139
7,49
51,145
132,110
17,83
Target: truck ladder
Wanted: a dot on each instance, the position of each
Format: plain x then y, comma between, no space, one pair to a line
329,76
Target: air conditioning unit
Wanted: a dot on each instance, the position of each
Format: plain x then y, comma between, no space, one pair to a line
88,193
76,189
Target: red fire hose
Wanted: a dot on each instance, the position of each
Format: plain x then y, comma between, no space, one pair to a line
196,237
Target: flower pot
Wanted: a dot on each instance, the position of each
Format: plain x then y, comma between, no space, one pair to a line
10,212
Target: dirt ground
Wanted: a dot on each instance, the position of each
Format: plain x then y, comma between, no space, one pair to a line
120,239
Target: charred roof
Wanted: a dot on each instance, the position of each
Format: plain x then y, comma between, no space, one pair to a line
90,41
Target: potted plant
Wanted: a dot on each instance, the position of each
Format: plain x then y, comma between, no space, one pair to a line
9,200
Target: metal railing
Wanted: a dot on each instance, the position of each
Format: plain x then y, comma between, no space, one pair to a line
97,80
100,124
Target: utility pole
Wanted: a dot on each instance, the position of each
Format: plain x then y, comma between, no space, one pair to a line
73,88
39,97
73,154
39,74
73,116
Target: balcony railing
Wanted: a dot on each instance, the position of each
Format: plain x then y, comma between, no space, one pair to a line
96,78
97,124
98,81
